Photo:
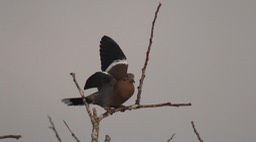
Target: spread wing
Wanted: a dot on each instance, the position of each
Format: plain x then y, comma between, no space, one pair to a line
97,80
112,58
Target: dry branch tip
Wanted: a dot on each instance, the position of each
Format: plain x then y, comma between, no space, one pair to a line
10,136
147,56
52,127
72,133
196,132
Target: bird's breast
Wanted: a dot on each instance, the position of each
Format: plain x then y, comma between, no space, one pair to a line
123,90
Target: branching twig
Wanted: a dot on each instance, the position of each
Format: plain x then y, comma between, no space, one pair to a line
135,106
147,56
10,136
93,116
81,92
73,134
171,137
54,129
197,134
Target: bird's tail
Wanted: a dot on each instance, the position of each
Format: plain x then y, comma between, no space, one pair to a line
79,101
75,101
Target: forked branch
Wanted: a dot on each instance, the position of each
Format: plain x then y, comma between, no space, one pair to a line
135,107
93,115
54,129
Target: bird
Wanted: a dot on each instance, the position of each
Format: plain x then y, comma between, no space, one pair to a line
114,84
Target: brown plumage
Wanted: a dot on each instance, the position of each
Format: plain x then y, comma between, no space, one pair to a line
114,84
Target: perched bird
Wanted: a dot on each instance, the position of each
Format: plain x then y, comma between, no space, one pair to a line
114,84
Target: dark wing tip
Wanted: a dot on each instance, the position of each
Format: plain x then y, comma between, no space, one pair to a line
109,52
105,37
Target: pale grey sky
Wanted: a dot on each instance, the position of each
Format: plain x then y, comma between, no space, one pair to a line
203,52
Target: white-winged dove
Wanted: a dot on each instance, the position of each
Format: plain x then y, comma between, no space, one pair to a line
114,84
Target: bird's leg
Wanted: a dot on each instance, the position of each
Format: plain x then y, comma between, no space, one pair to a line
112,110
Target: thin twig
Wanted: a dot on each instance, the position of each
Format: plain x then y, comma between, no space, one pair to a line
10,136
93,116
95,126
197,134
73,134
81,92
54,129
135,107
171,137
147,56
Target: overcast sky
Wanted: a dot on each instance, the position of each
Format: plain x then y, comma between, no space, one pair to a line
203,52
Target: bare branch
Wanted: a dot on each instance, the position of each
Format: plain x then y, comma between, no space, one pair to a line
10,136
171,137
163,104
147,56
81,92
197,134
73,134
93,116
95,126
54,129
135,106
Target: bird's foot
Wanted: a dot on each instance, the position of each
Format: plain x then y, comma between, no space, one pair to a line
110,110
123,108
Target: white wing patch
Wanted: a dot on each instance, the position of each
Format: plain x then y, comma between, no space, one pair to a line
105,72
116,62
